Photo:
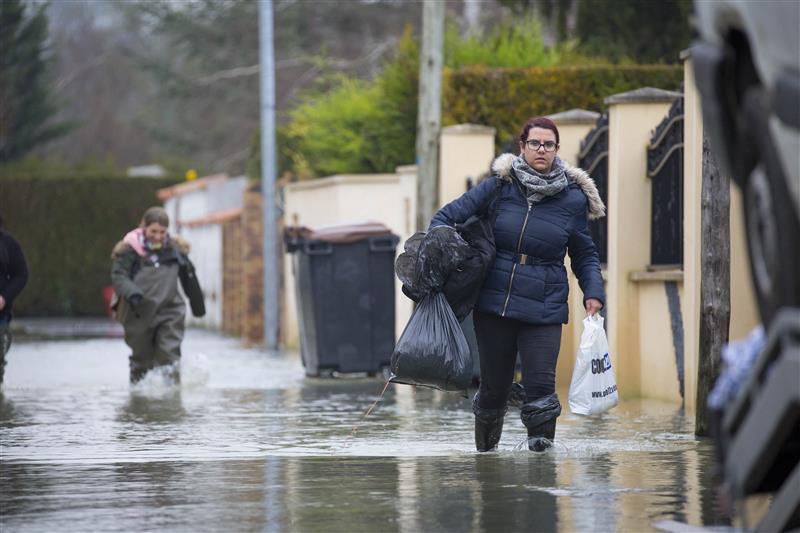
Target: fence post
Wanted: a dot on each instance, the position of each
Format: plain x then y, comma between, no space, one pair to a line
715,279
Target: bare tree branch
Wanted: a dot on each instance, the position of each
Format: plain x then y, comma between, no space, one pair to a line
252,70
237,72
64,81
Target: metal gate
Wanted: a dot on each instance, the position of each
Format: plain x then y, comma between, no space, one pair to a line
665,169
593,158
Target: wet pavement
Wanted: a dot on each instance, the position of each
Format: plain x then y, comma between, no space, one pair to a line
248,443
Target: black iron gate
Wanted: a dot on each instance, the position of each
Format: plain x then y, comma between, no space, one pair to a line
665,169
593,158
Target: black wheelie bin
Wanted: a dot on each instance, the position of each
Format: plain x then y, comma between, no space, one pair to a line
345,294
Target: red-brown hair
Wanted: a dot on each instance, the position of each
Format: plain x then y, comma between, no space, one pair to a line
538,122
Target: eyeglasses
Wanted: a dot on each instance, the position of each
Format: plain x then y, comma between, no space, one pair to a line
534,144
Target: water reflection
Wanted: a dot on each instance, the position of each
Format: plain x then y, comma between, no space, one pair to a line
251,445
589,490
141,408
8,415
140,487
517,492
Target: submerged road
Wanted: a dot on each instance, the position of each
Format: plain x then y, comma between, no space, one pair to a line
248,443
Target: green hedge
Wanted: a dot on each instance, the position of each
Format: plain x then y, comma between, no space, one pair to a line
371,127
505,98
67,228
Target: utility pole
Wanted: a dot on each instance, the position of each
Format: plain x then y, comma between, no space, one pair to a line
472,17
268,173
715,280
429,114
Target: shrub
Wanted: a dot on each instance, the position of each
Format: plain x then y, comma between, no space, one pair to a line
518,44
505,98
357,126
331,133
67,228
498,80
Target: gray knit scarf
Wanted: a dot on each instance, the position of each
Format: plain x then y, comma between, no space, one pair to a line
540,185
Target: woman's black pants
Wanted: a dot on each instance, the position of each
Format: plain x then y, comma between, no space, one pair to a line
499,341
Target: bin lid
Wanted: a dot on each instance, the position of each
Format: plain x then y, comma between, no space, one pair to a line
349,232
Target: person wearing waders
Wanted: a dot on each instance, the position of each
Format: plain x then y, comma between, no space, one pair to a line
540,208
147,266
13,277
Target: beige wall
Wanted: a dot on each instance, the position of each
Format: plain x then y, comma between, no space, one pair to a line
573,125
571,136
630,126
692,180
658,368
466,151
744,309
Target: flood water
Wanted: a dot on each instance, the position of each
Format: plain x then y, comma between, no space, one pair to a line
248,443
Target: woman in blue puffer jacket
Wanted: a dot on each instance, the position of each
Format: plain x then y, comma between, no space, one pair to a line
541,207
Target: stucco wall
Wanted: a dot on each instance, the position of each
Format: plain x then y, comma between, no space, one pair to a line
657,343
466,151
692,181
630,125
384,198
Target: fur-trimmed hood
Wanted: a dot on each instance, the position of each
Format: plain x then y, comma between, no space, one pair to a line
501,167
174,240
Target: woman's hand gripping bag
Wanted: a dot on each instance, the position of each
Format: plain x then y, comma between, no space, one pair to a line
593,389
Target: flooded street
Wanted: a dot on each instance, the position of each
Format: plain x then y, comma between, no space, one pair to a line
248,443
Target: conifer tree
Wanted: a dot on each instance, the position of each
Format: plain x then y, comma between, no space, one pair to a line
27,106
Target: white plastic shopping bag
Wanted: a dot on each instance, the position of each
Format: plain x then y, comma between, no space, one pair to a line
593,389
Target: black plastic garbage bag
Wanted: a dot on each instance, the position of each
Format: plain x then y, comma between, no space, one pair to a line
429,258
453,260
463,286
432,351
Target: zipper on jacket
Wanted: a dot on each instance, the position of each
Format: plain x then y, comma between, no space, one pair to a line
514,268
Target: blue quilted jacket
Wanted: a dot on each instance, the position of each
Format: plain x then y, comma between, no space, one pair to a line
527,280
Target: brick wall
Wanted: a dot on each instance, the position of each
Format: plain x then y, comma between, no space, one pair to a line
252,279
232,278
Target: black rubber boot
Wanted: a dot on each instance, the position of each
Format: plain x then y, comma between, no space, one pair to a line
137,370
539,417
488,426
174,374
171,373
541,437
137,374
5,344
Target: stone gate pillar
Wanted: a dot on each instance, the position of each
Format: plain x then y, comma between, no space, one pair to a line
632,118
